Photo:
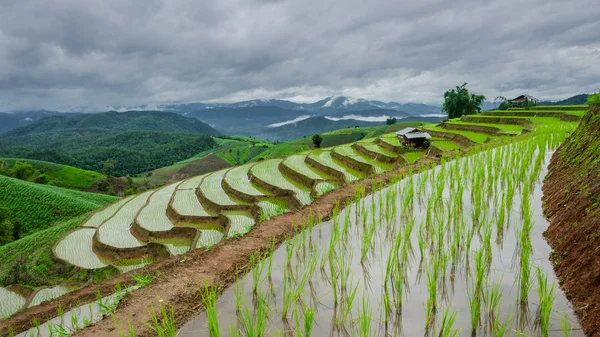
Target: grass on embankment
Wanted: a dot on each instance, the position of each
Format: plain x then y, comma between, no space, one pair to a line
30,261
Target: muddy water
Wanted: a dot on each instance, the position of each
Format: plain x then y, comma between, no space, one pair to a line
368,277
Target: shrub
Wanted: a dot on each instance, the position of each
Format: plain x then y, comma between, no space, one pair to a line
594,99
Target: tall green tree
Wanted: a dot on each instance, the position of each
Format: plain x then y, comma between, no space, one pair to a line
317,140
459,102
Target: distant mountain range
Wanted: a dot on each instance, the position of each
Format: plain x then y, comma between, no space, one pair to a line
263,117
331,104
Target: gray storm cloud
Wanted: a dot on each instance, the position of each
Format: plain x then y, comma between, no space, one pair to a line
74,53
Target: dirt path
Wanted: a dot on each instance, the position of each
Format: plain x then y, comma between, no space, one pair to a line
183,276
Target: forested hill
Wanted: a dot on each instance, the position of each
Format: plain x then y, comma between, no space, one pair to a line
133,142
113,122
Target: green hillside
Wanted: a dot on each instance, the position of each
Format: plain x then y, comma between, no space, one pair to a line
136,141
229,151
36,207
58,174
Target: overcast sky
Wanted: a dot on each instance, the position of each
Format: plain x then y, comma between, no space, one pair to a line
56,54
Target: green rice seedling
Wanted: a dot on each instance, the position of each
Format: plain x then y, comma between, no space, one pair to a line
233,330
254,324
165,326
493,297
480,271
501,329
309,319
209,299
525,272
474,309
432,281
364,318
344,316
446,325
546,296
142,280
565,326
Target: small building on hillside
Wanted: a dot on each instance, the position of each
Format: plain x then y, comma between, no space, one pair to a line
523,101
412,137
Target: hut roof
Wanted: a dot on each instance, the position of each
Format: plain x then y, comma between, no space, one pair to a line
419,134
406,131
522,98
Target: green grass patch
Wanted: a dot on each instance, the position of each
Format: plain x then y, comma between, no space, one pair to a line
60,175
37,207
444,144
412,157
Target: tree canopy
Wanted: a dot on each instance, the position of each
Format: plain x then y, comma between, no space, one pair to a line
459,101
317,139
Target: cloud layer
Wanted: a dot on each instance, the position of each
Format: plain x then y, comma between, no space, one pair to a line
71,53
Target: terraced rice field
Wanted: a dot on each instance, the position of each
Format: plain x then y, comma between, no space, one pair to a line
192,183
99,217
49,294
176,246
479,138
271,207
391,139
378,166
323,187
379,149
506,128
115,232
412,157
268,171
186,203
153,217
212,190
112,225
237,178
209,237
10,302
444,144
298,164
324,157
76,248
241,223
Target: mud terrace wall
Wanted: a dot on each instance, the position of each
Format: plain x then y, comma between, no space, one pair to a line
572,203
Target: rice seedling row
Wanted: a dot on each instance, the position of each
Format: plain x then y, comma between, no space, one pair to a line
240,223
211,188
378,166
186,203
237,178
297,163
99,217
10,302
115,231
48,294
153,216
76,248
268,171
324,157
